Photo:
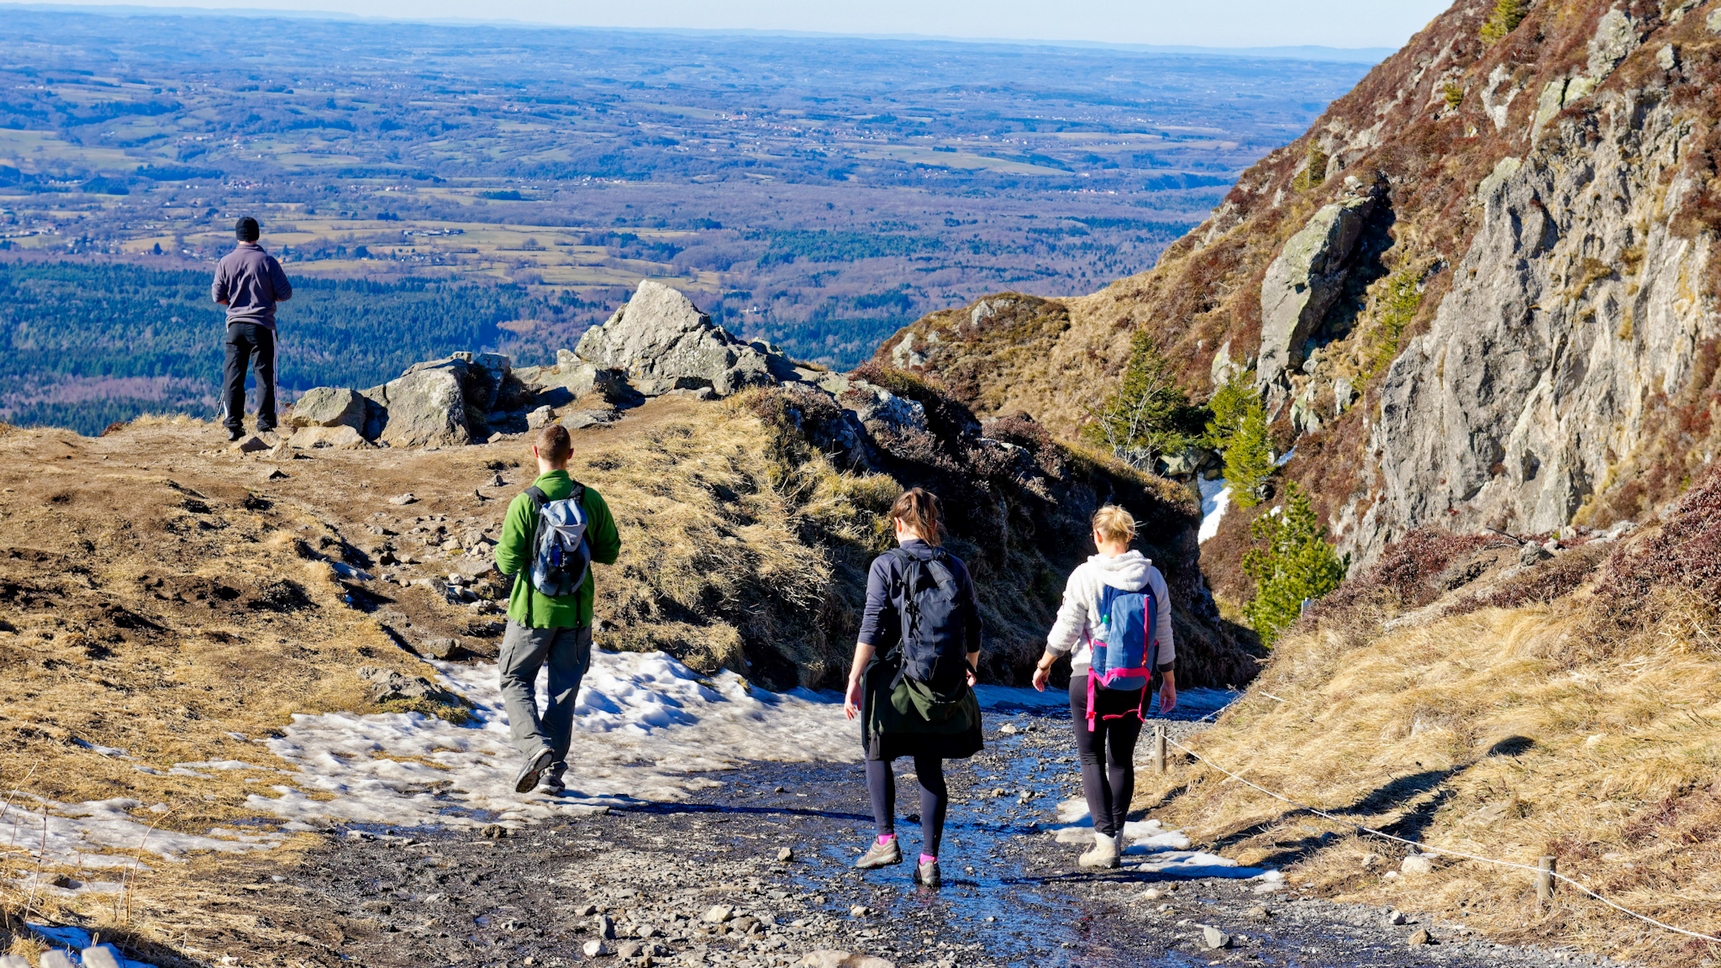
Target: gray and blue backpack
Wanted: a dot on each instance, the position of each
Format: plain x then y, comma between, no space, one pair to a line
560,558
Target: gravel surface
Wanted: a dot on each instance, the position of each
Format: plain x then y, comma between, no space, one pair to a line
759,873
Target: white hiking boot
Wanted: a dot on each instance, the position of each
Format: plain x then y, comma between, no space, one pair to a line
1104,854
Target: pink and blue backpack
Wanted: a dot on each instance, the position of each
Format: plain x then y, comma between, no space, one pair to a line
1124,650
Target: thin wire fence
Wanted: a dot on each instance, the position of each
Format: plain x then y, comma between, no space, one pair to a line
1441,851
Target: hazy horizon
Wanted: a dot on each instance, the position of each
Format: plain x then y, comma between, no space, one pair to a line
1266,27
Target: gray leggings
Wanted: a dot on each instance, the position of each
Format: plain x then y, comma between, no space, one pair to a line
934,798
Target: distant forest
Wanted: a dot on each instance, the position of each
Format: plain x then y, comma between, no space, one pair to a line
87,345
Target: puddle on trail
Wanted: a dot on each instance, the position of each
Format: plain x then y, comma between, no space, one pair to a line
1000,900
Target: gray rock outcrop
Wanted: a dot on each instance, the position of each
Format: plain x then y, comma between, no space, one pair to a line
663,342
1571,313
426,405
328,407
1306,279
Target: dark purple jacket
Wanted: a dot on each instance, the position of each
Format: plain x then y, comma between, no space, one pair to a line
881,622
251,282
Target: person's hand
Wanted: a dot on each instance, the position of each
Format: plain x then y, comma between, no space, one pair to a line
1167,697
1042,675
972,681
852,701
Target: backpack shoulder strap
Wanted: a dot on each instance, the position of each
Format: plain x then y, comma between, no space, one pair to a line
539,498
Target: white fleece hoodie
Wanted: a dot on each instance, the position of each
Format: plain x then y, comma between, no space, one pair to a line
1079,614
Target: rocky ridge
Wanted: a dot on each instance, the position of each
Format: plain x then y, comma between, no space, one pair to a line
1479,292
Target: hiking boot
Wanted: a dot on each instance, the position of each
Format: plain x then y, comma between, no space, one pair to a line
551,783
234,433
535,766
927,874
1104,854
880,855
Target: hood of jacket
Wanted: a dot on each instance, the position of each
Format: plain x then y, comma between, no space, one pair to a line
1127,571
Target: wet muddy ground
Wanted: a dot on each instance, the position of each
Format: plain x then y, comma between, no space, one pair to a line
707,882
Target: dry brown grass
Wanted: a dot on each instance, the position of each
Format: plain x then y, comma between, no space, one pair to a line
1489,733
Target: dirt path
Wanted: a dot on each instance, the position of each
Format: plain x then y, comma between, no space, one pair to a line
654,872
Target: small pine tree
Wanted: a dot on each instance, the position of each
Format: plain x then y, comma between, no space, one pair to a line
1228,404
1507,15
1144,417
1249,454
1295,565
1314,174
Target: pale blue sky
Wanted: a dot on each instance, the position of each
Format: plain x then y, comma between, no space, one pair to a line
1206,23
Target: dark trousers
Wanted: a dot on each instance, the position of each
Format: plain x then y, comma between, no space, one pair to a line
1107,753
253,344
934,798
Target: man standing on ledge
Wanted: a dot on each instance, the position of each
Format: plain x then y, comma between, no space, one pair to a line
551,537
249,282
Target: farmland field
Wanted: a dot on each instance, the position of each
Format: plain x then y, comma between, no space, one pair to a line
818,192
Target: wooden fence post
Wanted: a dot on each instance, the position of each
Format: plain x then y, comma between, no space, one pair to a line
1159,748
1545,879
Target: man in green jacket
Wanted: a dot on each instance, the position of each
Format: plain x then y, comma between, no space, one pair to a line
545,630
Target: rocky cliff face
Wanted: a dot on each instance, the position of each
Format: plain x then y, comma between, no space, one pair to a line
1480,291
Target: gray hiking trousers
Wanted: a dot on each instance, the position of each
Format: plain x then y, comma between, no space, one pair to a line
568,654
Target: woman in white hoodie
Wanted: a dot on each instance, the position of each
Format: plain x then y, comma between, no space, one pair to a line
1106,742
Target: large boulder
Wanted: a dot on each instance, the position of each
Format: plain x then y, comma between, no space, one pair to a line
664,343
310,438
570,379
328,407
426,406
1304,282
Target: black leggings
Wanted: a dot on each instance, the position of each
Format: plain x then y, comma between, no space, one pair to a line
934,798
1109,785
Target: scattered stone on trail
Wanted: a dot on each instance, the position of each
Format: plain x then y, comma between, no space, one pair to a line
586,910
1417,864
1214,938
1420,937
829,958
1396,917
859,911
386,685
444,649
719,913
1008,729
275,474
328,407
496,831
1152,894
665,343
539,418
55,958
597,949
1370,860
605,927
785,854
581,419
13,961
249,445
310,438
402,500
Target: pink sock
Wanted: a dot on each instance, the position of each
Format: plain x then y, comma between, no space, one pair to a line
928,859
885,839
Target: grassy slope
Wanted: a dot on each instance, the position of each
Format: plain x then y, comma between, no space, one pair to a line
1572,710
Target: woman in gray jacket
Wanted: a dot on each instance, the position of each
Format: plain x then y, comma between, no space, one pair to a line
1106,732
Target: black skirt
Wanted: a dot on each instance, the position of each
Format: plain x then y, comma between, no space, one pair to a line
890,730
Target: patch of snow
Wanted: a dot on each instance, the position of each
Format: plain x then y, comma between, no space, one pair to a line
103,833
221,765
1162,850
1285,458
76,941
1215,498
646,726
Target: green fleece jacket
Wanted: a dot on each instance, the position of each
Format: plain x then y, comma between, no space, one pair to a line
514,555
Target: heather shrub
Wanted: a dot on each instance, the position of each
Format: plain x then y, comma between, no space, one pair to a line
1411,572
